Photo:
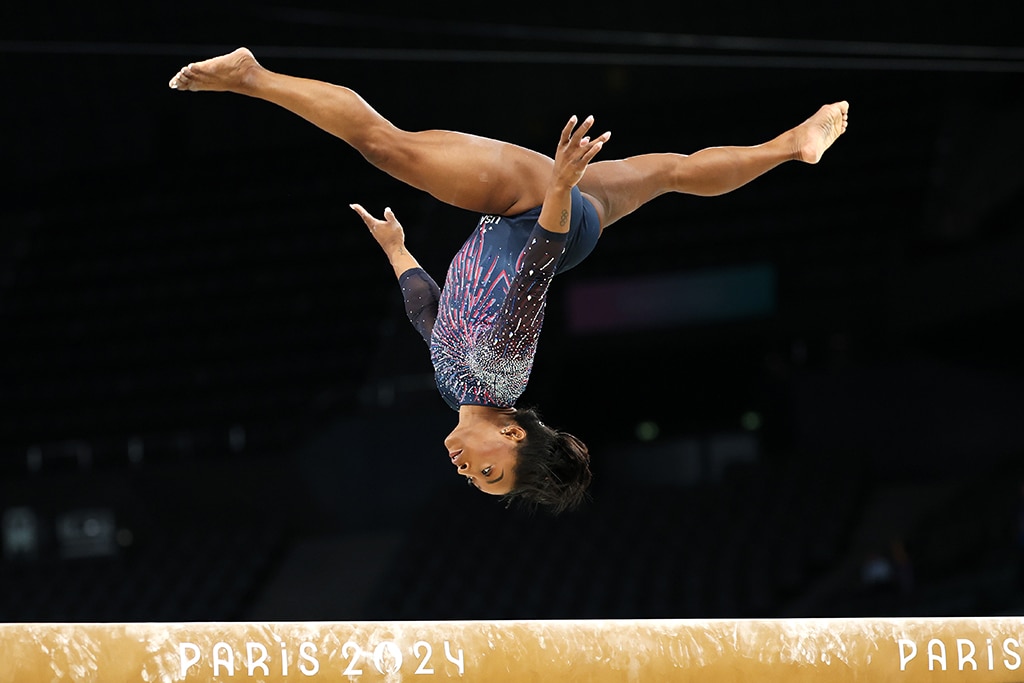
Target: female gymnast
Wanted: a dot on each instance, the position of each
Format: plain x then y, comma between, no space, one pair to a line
540,216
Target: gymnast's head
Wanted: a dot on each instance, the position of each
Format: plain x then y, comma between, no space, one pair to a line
511,453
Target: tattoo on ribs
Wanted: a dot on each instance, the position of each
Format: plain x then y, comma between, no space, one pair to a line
565,217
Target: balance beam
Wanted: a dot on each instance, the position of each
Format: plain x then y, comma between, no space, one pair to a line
640,651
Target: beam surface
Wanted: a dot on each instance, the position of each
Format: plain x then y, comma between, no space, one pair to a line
820,650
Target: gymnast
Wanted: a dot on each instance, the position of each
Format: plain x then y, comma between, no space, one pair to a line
540,217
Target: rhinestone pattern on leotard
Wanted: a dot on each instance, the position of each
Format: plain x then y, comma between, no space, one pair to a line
489,314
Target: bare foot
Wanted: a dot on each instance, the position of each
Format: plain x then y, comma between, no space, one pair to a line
817,133
224,73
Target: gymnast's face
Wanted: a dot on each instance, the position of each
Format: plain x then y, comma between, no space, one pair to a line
486,455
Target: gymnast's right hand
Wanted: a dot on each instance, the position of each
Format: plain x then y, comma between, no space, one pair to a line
575,150
388,232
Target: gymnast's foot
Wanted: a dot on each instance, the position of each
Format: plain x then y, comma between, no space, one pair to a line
817,133
225,73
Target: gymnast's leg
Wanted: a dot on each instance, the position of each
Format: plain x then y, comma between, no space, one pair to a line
620,187
470,172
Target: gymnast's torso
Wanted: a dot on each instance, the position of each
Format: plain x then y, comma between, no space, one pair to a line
484,325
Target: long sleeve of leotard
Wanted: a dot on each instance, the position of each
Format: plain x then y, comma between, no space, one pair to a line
513,337
421,295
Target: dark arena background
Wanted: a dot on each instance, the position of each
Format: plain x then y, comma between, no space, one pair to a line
804,398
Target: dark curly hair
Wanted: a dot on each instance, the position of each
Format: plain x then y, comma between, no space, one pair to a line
552,467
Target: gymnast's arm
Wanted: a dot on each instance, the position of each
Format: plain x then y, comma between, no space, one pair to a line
518,325
574,152
419,290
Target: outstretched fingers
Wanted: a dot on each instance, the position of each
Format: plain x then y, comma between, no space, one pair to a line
579,138
567,131
573,135
365,215
576,148
388,232
594,146
391,238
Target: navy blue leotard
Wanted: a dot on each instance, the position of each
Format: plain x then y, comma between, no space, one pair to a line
483,327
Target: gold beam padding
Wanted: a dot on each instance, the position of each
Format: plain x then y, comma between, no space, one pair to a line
819,650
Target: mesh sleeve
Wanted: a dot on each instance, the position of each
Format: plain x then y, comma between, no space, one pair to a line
517,328
421,295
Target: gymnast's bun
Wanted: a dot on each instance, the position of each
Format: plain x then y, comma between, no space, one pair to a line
552,467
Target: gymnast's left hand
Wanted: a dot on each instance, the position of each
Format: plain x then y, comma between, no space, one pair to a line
388,232
575,151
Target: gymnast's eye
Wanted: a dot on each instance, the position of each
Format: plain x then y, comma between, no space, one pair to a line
486,471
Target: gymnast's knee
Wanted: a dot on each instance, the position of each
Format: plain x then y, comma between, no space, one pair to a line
381,145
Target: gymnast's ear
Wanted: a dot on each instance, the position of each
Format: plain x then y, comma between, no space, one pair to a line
514,432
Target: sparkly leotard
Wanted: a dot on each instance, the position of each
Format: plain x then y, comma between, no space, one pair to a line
483,327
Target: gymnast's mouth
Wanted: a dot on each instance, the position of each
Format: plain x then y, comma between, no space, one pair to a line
455,454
